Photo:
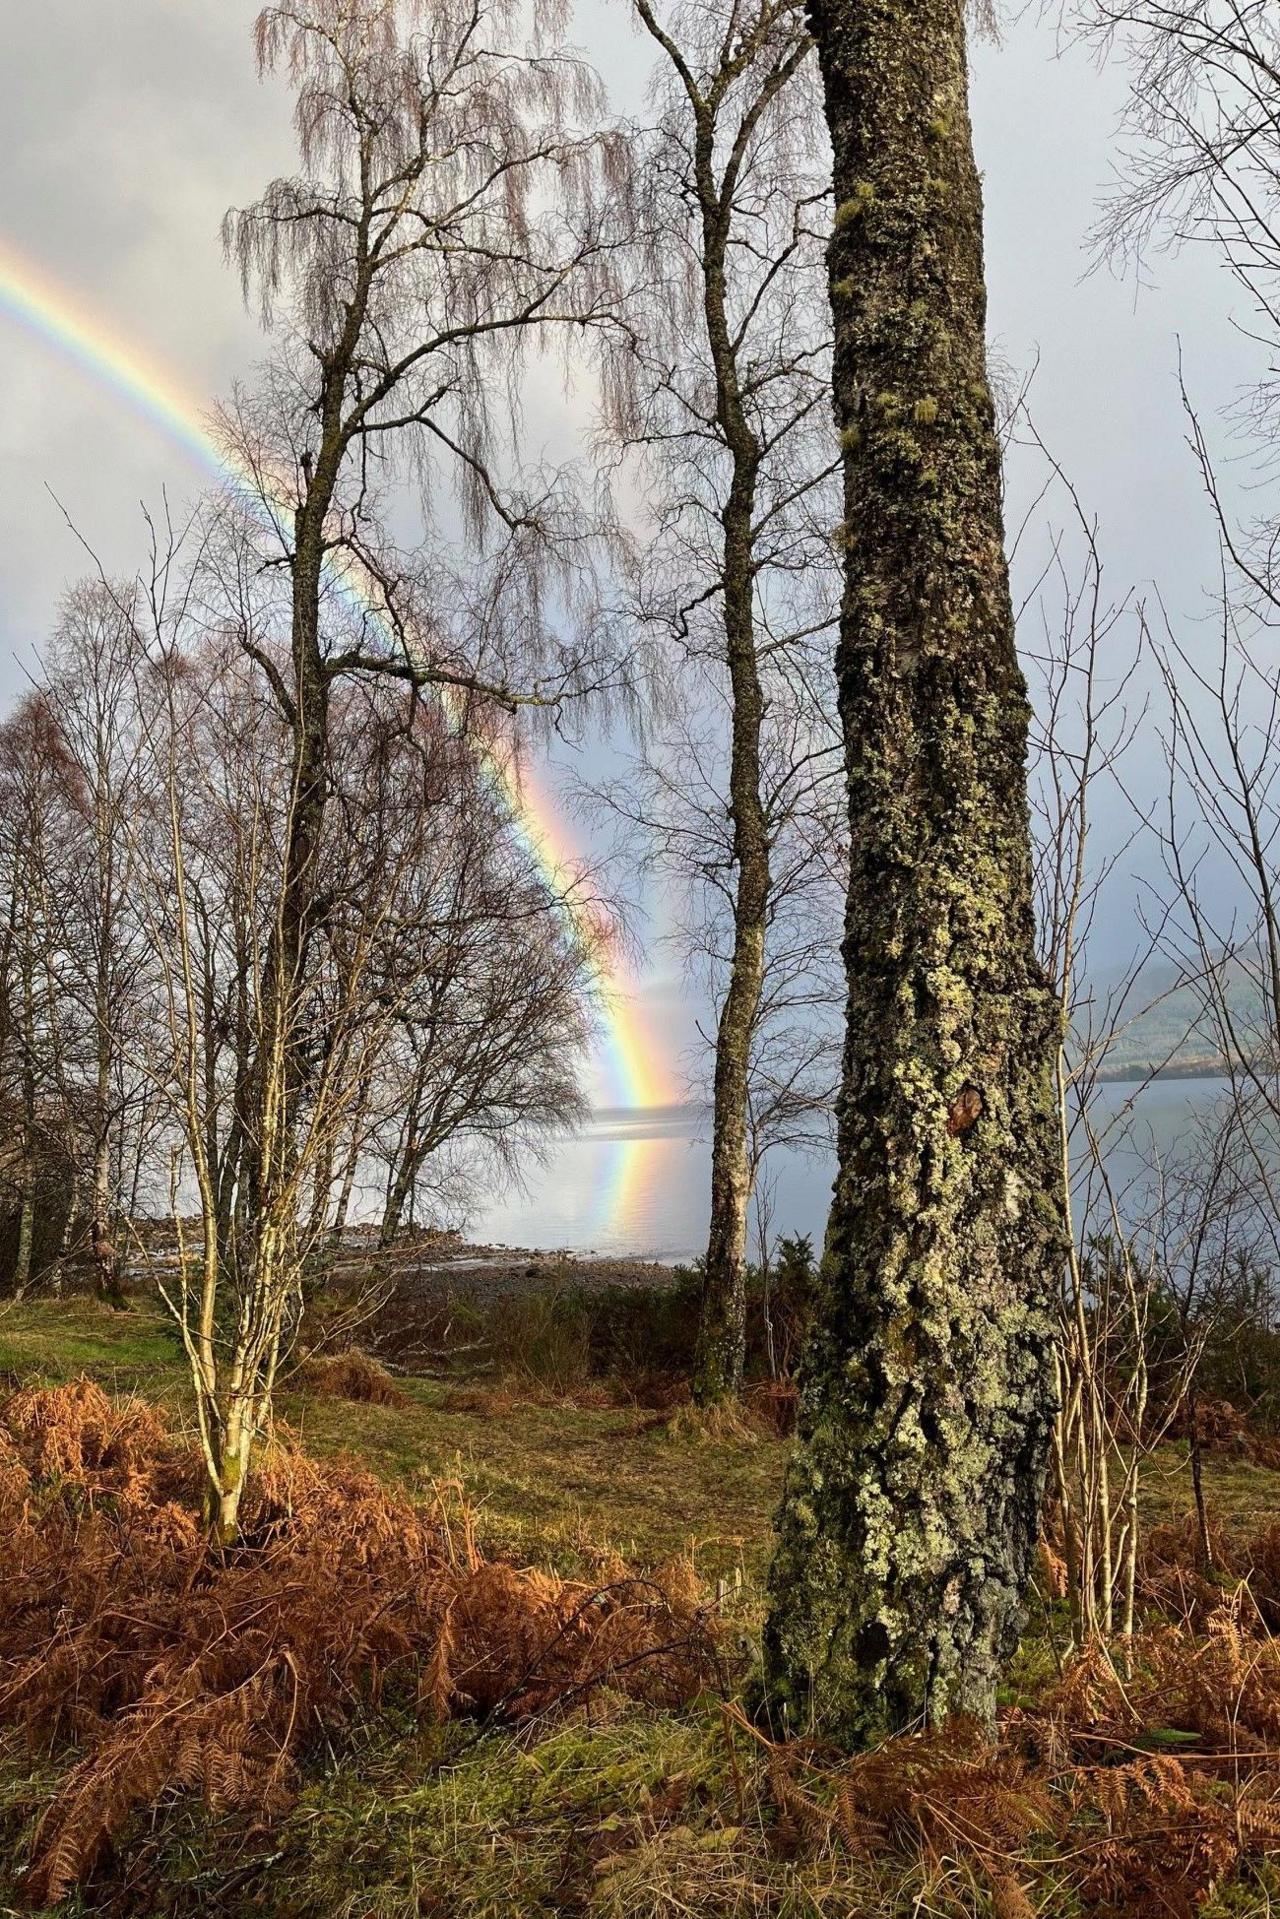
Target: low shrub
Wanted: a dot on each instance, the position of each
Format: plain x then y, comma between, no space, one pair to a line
1223,1428
544,1337
565,1337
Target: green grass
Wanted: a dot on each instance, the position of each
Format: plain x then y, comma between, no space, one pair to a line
546,1479
1244,1495
630,1815
45,1341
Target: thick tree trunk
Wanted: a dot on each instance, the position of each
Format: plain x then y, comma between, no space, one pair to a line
71,1220
1195,1443
228,1157
266,1249
910,1513
101,1245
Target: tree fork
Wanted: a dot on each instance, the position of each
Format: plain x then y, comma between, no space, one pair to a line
910,1514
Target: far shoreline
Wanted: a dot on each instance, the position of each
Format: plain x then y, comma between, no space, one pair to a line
1137,1075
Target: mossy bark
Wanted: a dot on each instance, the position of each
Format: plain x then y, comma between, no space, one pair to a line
909,1519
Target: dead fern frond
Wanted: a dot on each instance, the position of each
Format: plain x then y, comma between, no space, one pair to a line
177,1669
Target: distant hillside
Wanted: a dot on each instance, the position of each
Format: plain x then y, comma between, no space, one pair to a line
1167,1032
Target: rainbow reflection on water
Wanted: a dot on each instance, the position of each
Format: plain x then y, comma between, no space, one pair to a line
635,1181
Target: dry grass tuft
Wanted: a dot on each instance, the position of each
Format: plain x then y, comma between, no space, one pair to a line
1225,1429
490,1402
352,1375
767,1410
729,1420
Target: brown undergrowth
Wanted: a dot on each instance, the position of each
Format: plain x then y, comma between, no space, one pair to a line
352,1375
1223,1428
1242,1569
1138,1782
1136,1785
1134,1788
171,1667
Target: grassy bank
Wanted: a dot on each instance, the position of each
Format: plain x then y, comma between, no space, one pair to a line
615,1807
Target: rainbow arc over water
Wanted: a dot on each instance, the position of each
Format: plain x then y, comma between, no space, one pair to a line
635,1073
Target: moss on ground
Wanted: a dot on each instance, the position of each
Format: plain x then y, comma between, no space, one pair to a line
630,1815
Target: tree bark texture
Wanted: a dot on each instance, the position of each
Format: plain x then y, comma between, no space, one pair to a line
718,1359
22,1272
910,1514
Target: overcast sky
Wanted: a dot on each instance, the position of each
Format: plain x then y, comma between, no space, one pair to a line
130,125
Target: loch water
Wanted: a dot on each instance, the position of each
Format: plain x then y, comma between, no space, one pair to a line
635,1181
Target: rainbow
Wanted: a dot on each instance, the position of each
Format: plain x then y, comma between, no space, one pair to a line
634,1074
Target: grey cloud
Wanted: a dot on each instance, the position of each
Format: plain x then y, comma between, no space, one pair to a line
131,124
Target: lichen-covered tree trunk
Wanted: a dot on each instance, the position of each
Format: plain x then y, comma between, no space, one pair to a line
910,1513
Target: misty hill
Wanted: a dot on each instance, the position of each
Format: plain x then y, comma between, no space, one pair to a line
1166,1026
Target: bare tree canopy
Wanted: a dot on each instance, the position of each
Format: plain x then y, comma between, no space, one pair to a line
717,411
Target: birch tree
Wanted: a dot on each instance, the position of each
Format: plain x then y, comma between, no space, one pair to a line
88,676
38,1035
446,212
407,811
718,401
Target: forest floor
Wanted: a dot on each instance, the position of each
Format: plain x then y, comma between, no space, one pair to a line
619,1809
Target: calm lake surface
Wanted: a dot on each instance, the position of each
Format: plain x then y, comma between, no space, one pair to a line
635,1181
